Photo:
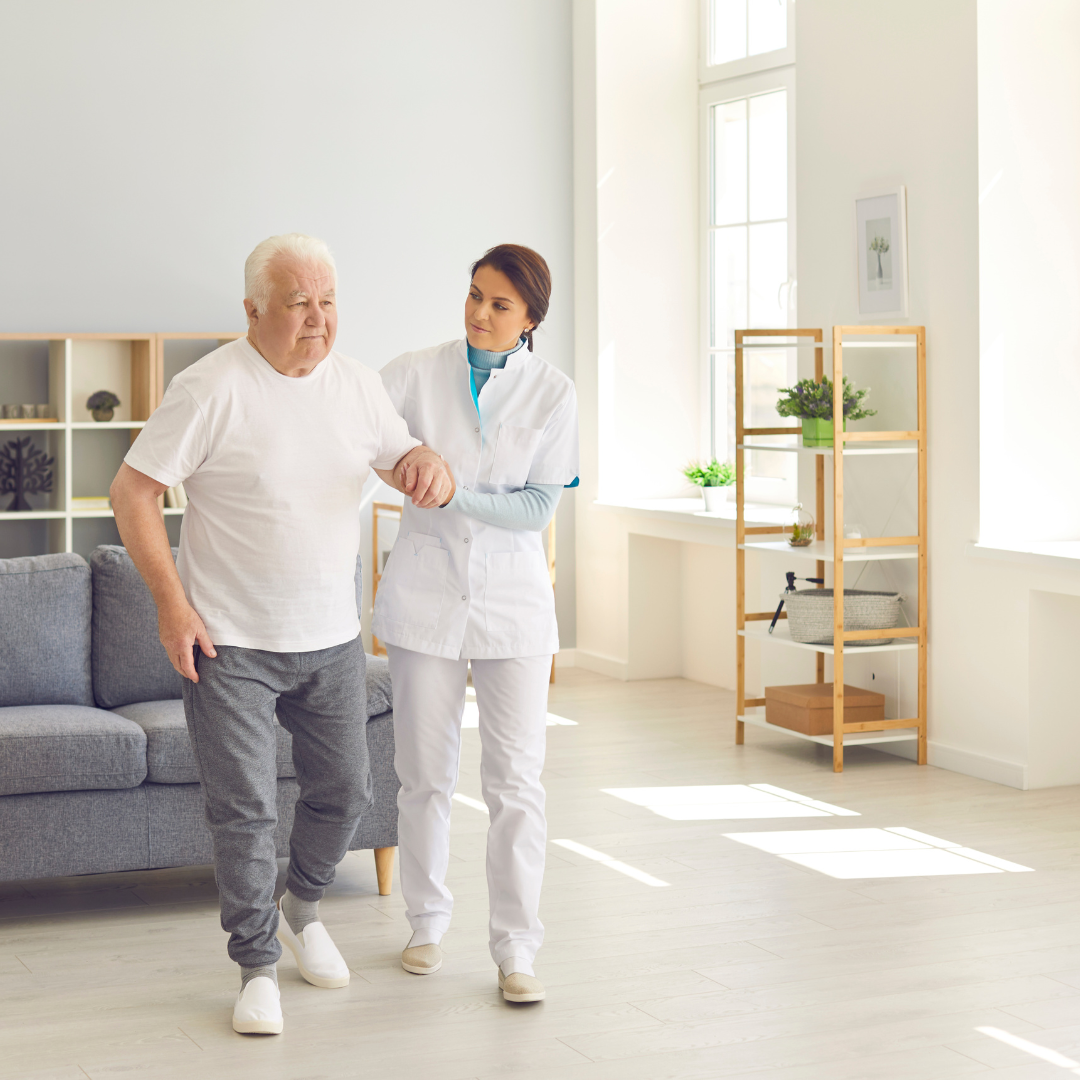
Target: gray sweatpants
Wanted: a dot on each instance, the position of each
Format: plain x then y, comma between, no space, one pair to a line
320,698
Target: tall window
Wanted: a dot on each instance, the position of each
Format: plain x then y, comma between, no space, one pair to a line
742,28
748,164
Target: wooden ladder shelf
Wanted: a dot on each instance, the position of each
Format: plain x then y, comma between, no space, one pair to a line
845,443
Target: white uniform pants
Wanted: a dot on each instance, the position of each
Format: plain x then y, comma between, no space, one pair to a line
511,695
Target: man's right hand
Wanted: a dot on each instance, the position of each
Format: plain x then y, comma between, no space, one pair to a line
426,478
180,628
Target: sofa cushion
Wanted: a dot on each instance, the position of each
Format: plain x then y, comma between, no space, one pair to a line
380,694
68,748
45,631
58,833
169,758
129,663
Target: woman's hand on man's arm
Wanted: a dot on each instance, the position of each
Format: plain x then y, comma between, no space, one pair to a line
422,475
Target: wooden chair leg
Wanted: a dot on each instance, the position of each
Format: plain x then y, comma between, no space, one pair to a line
384,869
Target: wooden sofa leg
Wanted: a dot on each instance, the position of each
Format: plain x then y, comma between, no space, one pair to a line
384,869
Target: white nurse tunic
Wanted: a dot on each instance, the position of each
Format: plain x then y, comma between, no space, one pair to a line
453,586
455,590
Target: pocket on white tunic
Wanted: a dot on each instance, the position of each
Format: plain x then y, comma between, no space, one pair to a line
518,593
514,453
411,589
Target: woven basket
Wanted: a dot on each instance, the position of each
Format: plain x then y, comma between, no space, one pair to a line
810,615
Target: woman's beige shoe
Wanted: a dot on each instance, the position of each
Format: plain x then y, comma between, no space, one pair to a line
519,987
422,959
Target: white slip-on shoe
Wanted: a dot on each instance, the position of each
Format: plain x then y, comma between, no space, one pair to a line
316,955
521,987
258,1008
422,959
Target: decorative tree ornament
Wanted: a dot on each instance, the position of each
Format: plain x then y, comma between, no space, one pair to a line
24,470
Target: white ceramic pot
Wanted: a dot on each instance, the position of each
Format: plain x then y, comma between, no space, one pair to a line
715,497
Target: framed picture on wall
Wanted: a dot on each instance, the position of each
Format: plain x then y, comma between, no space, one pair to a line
881,243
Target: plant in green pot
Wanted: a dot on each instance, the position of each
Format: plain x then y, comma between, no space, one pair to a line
716,480
812,403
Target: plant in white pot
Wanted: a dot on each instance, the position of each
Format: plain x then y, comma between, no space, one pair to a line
716,481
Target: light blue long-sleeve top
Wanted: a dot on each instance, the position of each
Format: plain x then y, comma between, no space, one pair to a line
529,509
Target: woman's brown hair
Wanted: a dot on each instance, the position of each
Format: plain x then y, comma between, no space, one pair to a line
528,273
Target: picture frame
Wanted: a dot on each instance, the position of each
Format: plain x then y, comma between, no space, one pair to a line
881,253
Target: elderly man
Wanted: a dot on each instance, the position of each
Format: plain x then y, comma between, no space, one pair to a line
273,436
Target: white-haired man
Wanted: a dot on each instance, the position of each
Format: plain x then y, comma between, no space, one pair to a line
273,436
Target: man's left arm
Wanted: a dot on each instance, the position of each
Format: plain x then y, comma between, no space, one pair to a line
418,471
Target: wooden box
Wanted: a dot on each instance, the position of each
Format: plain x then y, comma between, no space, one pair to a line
809,708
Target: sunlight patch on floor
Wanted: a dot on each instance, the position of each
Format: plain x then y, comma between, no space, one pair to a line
611,864
1043,1053
876,853
467,800
470,718
719,802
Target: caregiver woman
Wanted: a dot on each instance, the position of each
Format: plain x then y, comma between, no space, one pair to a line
469,582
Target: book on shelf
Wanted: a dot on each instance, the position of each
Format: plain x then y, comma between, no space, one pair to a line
91,502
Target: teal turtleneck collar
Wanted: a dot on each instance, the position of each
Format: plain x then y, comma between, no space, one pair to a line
484,362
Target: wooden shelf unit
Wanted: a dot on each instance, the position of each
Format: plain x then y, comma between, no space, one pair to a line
132,365
751,710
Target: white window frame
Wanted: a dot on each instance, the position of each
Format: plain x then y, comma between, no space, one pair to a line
715,427
748,65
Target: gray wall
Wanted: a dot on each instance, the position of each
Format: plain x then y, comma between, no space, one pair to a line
150,146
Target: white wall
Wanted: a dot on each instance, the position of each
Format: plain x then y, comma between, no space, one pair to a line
149,146
637,366
889,93
1029,267
648,244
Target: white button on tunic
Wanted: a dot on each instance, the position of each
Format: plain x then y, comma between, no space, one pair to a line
528,433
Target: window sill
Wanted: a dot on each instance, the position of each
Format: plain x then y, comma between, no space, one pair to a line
690,511
1050,554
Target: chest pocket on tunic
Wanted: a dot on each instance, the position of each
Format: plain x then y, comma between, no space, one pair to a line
518,594
411,589
514,454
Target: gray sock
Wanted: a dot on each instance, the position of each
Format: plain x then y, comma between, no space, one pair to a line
298,913
249,973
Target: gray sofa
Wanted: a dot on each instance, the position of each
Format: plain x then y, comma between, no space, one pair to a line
96,771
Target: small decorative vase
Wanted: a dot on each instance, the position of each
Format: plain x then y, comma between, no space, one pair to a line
104,415
715,497
802,527
818,432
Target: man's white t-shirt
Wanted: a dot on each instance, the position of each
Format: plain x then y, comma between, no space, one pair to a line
273,467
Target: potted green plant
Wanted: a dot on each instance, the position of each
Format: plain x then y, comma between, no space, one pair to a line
812,403
101,405
715,480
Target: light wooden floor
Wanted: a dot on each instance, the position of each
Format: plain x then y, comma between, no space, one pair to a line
746,965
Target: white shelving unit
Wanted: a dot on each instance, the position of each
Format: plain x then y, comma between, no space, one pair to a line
759,631
754,626
131,365
756,718
822,552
